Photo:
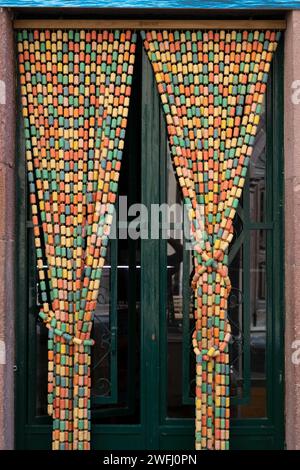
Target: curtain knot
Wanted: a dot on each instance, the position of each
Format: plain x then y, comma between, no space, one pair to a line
214,350
51,323
209,264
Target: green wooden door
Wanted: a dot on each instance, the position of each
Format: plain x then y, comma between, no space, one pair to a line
143,365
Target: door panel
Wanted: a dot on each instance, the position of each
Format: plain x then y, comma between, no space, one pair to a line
117,374
255,306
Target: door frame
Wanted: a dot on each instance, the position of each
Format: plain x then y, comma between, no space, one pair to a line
152,434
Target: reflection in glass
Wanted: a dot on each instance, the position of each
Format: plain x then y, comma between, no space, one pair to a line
235,315
246,311
122,341
254,403
102,334
257,172
179,299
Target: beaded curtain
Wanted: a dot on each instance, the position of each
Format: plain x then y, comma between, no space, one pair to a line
75,88
212,85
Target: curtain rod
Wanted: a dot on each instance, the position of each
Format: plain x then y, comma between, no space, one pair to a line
149,24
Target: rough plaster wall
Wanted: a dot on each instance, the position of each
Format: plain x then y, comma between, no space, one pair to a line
7,231
292,231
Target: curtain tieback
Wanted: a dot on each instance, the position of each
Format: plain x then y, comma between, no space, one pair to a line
51,323
215,350
208,264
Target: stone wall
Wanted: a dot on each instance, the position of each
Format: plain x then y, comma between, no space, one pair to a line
7,231
292,226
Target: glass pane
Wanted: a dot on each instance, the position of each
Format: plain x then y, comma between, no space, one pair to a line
255,403
38,337
235,315
102,385
126,344
179,301
176,408
246,311
257,172
258,324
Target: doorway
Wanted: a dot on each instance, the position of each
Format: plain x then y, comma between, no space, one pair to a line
143,364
